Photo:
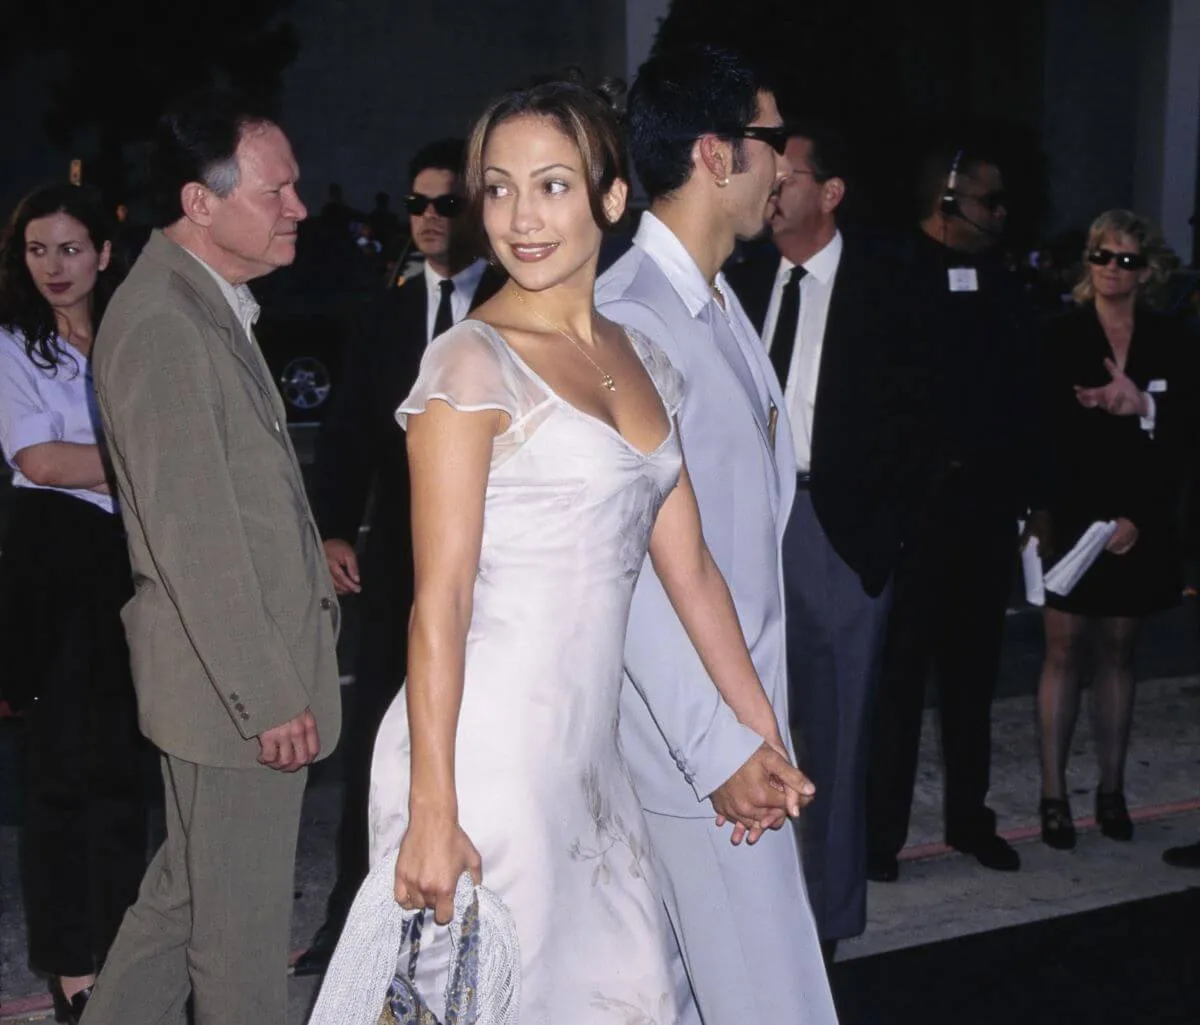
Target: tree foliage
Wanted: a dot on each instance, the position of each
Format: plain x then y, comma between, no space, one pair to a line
127,60
835,60
893,78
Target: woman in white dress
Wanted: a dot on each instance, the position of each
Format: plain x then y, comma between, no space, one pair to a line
544,459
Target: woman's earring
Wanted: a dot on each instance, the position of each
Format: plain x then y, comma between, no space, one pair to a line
722,182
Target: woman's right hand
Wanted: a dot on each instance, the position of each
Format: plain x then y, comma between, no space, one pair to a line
433,854
1038,527
1125,537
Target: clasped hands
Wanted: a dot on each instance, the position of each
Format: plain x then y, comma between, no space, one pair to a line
766,791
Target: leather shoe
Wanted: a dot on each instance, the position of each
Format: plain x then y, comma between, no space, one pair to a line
1183,857
69,1010
1113,815
315,959
883,868
1058,831
990,851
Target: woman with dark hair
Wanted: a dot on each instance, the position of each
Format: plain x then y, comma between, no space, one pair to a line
545,461
1119,397
64,575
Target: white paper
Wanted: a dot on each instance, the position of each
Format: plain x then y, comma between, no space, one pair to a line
1069,570
1031,565
963,279
1062,577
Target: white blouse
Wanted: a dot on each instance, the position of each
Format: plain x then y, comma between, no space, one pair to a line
37,406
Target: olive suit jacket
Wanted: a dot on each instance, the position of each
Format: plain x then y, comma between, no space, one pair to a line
233,624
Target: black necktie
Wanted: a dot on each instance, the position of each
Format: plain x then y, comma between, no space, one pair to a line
787,324
444,320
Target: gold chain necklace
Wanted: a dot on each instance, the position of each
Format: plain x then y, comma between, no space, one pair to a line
606,379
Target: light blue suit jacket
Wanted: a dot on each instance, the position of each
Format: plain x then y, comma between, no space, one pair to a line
744,487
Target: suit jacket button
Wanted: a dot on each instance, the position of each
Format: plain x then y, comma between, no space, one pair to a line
326,604
245,716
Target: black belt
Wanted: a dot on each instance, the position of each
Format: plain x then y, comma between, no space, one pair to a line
803,480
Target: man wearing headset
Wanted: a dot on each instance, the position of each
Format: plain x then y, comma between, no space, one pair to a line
954,577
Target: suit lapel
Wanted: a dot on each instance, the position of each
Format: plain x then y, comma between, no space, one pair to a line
836,317
246,351
782,450
162,250
728,346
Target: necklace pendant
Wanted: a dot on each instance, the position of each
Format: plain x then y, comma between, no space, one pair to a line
608,383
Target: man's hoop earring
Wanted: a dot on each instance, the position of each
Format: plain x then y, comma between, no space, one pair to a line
722,182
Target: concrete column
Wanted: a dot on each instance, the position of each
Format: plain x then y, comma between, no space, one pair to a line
1165,181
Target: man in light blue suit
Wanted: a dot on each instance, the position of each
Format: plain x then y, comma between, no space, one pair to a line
707,141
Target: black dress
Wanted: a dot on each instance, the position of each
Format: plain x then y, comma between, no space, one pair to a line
1107,466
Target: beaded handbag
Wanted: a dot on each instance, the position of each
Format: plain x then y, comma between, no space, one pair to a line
367,985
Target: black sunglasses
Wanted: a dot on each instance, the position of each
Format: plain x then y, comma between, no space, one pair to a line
776,137
1126,261
990,201
444,206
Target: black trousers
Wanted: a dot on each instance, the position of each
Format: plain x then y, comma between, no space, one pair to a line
948,608
379,672
84,848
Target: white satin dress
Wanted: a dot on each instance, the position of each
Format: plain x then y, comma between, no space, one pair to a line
542,786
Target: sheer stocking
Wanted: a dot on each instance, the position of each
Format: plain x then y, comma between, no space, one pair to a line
1058,697
1112,697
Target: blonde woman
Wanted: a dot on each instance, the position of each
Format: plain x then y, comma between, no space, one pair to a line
1118,391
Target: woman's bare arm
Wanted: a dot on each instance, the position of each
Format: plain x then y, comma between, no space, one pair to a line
701,599
449,455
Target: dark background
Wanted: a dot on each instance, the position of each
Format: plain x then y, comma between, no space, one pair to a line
1069,89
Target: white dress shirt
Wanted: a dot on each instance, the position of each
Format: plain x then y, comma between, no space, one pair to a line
800,388
241,300
39,406
661,244
465,283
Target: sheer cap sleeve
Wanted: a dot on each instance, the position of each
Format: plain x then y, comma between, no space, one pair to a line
666,378
465,368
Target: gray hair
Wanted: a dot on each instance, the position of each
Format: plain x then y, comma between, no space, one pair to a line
222,177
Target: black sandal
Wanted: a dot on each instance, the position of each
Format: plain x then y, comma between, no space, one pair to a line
1058,830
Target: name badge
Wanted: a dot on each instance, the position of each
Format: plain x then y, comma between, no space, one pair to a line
963,279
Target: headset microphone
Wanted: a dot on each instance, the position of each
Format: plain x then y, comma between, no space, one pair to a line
950,197
949,204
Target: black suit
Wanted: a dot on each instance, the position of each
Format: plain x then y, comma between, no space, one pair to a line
841,545
872,398
360,451
954,578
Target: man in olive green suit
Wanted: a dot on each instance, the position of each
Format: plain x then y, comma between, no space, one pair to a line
233,624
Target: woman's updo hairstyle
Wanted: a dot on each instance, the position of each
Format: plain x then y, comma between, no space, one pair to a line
589,117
